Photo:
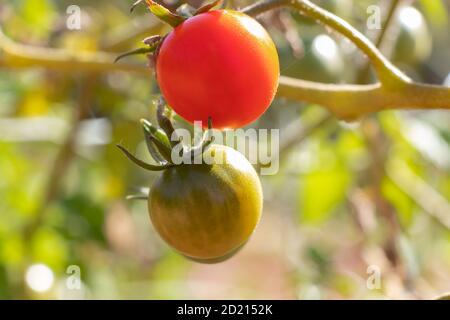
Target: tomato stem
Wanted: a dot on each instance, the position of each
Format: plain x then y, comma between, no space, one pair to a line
204,144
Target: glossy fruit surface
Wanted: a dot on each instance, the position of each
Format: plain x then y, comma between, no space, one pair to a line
221,64
206,212
218,259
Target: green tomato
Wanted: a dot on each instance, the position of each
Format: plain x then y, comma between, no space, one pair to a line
219,259
207,211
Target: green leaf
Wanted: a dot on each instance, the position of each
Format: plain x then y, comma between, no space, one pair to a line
40,15
435,12
207,7
84,217
49,247
321,192
402,203
164,14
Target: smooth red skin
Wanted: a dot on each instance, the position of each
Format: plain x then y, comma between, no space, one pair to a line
221,64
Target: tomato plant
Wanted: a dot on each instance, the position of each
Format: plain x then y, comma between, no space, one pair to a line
221,64
347,197
205,211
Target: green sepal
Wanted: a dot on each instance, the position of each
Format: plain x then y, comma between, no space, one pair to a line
164,14
156,132
157,142
153,149
136,51
141,163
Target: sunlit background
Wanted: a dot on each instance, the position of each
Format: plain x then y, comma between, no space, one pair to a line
357,210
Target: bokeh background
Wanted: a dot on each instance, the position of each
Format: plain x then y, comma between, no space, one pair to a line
351,201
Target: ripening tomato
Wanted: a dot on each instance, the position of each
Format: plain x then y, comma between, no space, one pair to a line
207,211
222,64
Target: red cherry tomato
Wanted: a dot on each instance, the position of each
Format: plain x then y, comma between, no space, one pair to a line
221,64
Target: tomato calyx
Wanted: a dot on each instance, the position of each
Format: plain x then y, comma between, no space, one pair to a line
183,12
161,141
154,42
160,12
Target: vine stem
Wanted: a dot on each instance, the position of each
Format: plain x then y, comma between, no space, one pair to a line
350,102
386,71
15,55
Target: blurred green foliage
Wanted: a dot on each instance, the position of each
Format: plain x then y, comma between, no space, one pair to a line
342,201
